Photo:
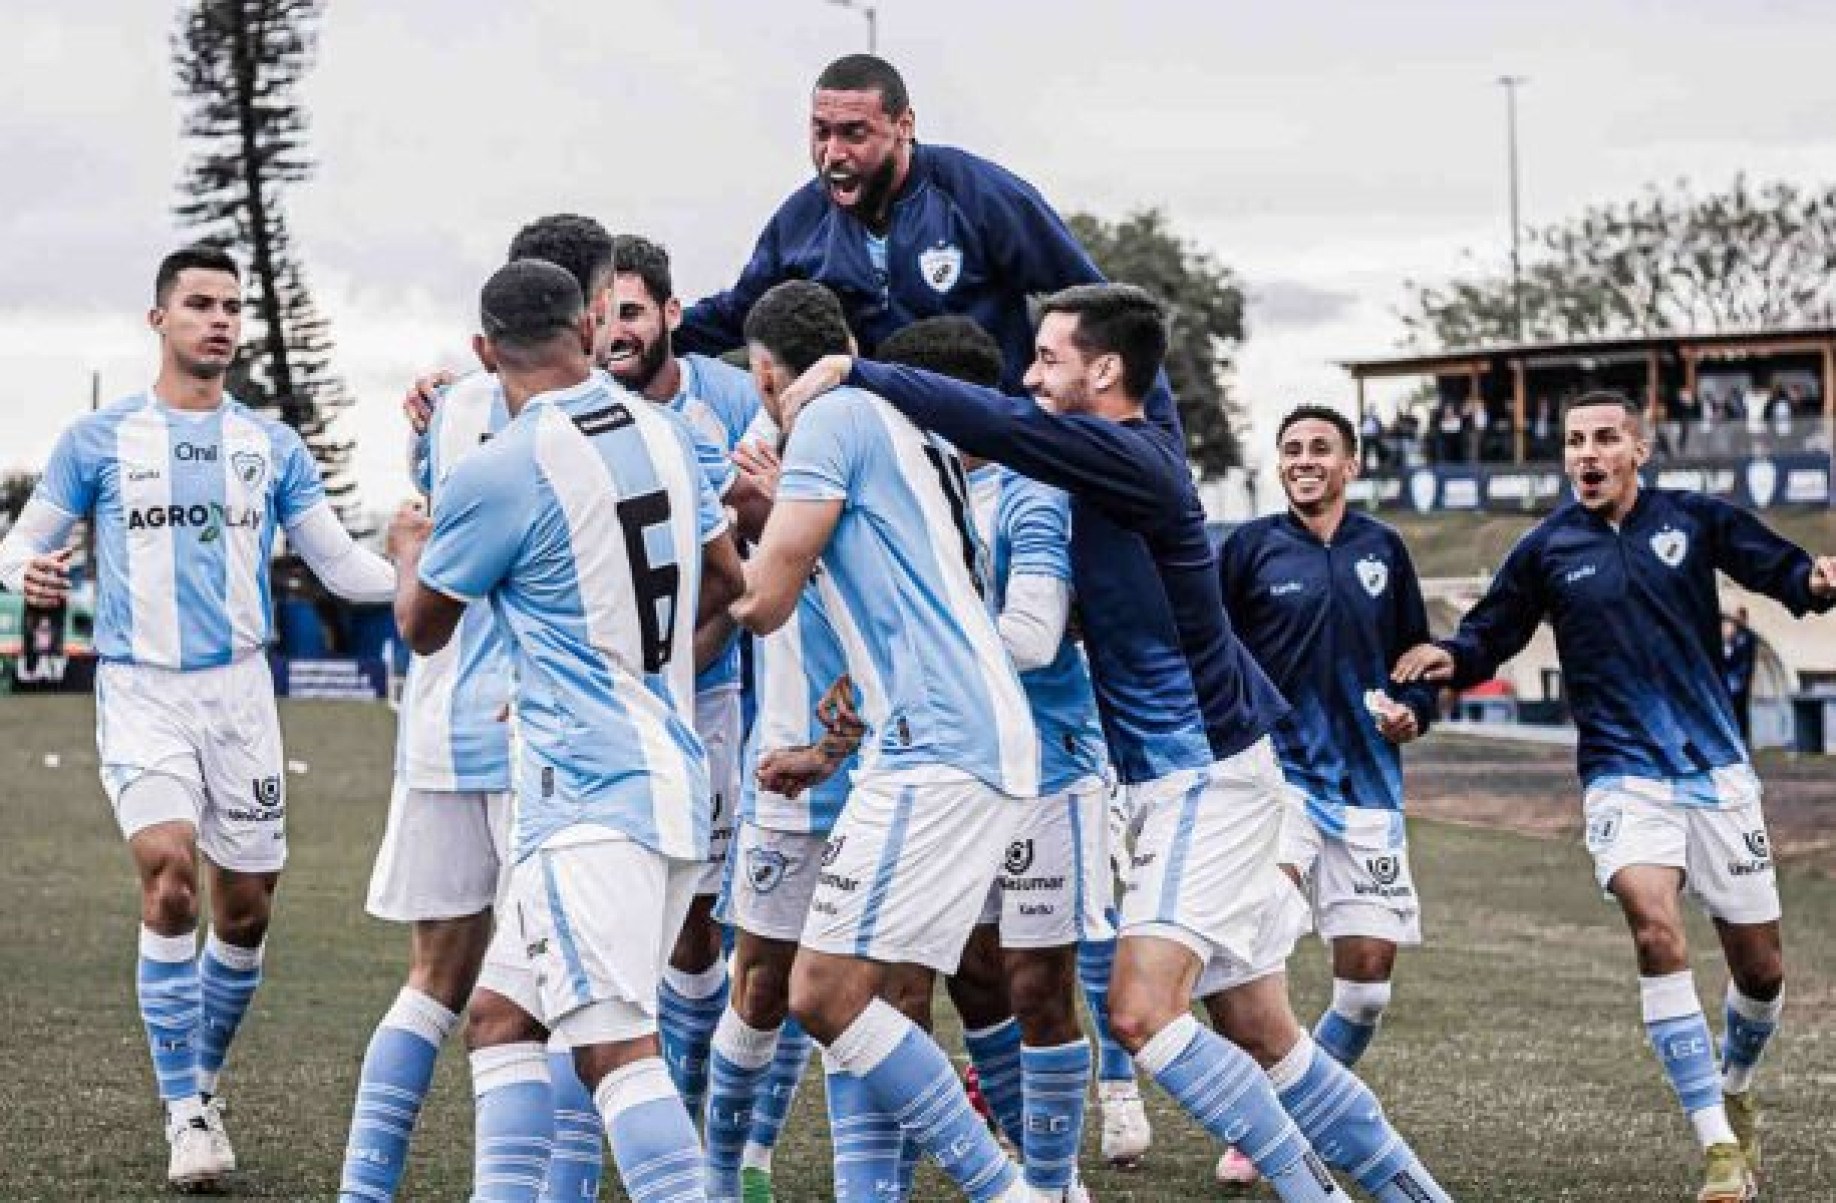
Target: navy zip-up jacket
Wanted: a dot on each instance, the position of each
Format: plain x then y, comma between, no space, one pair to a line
1174,688
966,237
1637,618
1327,621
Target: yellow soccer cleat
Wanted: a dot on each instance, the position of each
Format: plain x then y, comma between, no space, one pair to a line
1744,1118
1726,1179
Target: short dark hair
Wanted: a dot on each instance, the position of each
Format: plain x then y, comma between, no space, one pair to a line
526,302
952,345
638,256
579,245
866,73
198,255
798,321
1604,396
1117,319
1320,413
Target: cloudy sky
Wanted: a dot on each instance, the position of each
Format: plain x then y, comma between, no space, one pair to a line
1326,151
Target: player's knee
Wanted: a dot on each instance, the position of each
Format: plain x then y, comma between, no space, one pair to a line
169,897
1761,977
1043,991
1137,1014
1360,1002
1660,945
762,996
908,989
823,999
493,1019
246,929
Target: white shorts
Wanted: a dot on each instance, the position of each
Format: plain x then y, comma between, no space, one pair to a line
1358,882
771,881
1054,885
594,923
1205,870
216,731
718,723
1723,850
441,855
904,874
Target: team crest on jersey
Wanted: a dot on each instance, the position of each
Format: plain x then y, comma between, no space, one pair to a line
1373,574
942,265
1384,869
251,468
1670,545
1019,857
766,869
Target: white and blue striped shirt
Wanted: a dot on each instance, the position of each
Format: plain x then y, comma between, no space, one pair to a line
794,667
583,522
450,733
905,586
185,507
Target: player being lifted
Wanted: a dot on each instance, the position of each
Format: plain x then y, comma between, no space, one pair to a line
186,487
1186,713
952,751
1326,600
1627,577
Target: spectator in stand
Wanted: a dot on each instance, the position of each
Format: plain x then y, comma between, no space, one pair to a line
1685,412
1371,435
1778,413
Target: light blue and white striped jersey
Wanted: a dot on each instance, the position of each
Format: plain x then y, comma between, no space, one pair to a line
719,401
450,733
185,507
1027,529
794,667
583,522
904,588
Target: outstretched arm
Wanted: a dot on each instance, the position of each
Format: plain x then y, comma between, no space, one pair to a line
795,535
352,572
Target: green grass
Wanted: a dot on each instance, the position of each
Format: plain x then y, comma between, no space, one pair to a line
1512,1059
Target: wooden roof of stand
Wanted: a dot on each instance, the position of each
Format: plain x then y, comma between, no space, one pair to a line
1467,361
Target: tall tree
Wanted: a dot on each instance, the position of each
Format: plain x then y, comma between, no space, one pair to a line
239,64
1749,257
1207,306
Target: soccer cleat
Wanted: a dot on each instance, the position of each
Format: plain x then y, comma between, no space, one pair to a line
1726,1178
220,1149
193,1163
755,1185
1236,1170
1126,1134
1744,1117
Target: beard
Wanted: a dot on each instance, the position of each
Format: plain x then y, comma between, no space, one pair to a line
636,374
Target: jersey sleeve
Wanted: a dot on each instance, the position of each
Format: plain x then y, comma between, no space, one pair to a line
823,451
69,479
1106,463
297,485
1502,621
481,516
1759,558
1409,629
1037,522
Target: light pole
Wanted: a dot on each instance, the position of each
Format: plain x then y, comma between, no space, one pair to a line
1510,84
872,16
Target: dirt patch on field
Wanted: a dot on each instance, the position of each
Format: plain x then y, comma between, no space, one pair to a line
1532,788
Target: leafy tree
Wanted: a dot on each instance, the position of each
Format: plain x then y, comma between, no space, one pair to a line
1670,260
1207,306
239,64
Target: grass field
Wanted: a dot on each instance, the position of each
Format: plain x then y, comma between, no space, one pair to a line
1513,1057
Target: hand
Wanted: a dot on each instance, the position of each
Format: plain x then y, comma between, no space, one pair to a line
789,771
824,375
1423,662
408,531
1823,576
418,404
1395,721
836,710
759,464
47,579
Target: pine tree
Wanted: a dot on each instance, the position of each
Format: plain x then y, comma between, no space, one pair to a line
239,64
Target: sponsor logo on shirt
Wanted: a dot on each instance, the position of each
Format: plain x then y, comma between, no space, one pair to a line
1761,848
1285,589
1019,857
1574,575
269,802
195,453
209,519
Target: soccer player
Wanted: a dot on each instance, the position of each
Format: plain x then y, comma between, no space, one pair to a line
444,852
186,487
588,526
1627,577
720,402
953,750
1186,713
1326,600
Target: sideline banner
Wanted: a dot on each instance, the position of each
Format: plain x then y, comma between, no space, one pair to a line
1765,482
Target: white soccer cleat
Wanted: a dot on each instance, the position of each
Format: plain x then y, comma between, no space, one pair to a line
1235,1170
1126,1134
219,1137
193,1164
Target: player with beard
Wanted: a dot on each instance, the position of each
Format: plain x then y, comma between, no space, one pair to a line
1326,599
1627,577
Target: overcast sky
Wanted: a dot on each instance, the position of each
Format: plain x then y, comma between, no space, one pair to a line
1327,152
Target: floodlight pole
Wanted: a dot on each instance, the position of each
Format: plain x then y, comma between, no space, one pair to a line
1510,84
872,16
